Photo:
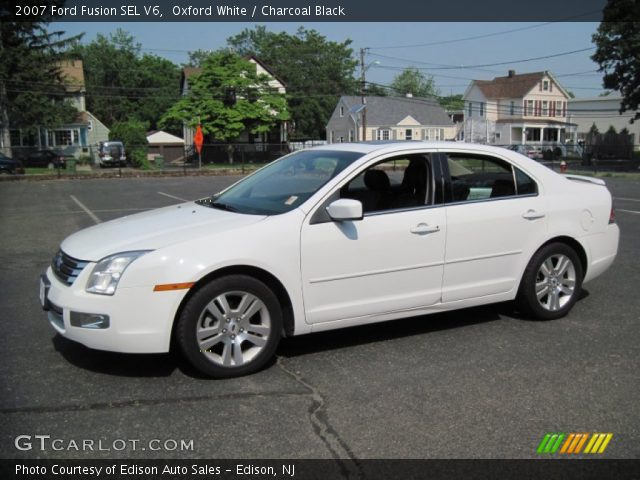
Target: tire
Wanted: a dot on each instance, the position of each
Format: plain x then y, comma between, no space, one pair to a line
230,327
551,283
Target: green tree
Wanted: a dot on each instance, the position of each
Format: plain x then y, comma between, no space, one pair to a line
133,134
618,43
316,72
32,91
124,84
413,81
229,97
452,102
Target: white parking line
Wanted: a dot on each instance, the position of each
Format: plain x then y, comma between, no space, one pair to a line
93,216
627,199
627,211
173,196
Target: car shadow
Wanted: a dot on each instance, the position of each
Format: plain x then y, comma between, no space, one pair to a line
393,329
165,364
118,364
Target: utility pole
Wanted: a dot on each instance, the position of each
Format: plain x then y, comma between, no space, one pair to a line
362,92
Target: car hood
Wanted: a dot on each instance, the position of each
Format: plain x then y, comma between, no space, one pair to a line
152,230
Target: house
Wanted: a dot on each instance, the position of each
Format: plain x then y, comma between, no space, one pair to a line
277,135
526,108
388,118
165,144
76,138
604,112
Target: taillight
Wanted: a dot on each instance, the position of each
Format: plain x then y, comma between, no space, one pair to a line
612,215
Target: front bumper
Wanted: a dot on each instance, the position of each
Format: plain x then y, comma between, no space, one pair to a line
140,320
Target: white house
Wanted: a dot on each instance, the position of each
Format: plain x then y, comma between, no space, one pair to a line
527,108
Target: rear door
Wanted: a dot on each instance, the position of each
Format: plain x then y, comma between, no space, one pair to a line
495,221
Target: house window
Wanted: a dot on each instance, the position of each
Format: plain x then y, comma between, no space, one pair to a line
341,111
383,134
482,109
512,108
558,108
351,135
529,107
498,135
408,134
434,134
545,85
470,108
341,139
545,108
64,137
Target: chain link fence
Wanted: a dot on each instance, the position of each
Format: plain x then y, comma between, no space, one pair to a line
246,157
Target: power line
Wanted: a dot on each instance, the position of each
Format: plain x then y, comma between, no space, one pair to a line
486,35
467,67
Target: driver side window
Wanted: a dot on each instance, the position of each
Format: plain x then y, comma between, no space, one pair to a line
396,183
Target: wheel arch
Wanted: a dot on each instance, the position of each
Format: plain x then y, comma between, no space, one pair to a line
575,245
570,242
259,274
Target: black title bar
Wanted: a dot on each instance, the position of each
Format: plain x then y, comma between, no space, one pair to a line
306,11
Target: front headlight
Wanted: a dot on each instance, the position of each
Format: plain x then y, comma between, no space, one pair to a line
108,271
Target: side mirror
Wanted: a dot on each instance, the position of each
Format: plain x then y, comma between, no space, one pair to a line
345,209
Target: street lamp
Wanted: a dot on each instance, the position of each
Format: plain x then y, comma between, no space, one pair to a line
363,69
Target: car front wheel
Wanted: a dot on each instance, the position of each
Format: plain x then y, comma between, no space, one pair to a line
551,283
230,327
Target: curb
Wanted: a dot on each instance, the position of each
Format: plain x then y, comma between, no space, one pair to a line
126,174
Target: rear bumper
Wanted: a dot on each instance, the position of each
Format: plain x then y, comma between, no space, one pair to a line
602,251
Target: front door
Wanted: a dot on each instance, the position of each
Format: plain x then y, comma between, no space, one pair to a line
391,260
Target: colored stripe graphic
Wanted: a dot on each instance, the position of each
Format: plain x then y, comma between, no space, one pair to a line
550,443
598,442
574,443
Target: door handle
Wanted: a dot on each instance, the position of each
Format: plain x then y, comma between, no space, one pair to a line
423,229
532,215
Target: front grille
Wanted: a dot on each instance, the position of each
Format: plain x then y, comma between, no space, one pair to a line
67,268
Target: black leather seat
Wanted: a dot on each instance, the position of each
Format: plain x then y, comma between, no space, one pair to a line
413,190
378,189
502,188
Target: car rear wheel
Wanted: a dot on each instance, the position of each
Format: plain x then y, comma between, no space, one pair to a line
551,283
230,327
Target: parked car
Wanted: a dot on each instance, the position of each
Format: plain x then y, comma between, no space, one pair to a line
10,166
531,151
112,153
332,237
46,158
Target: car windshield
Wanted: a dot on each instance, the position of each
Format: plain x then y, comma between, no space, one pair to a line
283,185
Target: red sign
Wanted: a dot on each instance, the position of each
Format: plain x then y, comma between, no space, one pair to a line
198,138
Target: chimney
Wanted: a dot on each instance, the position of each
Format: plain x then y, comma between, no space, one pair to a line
512,73
409,95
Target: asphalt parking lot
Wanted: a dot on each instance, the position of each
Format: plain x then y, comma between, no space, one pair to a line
477,383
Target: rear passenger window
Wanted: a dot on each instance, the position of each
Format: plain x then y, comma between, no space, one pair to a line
525,184
476,178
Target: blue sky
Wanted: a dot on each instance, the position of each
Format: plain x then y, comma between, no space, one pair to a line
576,72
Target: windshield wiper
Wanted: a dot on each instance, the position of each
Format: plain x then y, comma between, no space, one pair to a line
223,206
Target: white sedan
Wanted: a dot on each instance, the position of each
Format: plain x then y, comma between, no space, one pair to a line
327,238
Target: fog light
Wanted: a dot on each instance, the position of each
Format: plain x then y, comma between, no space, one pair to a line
89,320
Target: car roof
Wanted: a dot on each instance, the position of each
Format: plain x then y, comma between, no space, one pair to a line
407,145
